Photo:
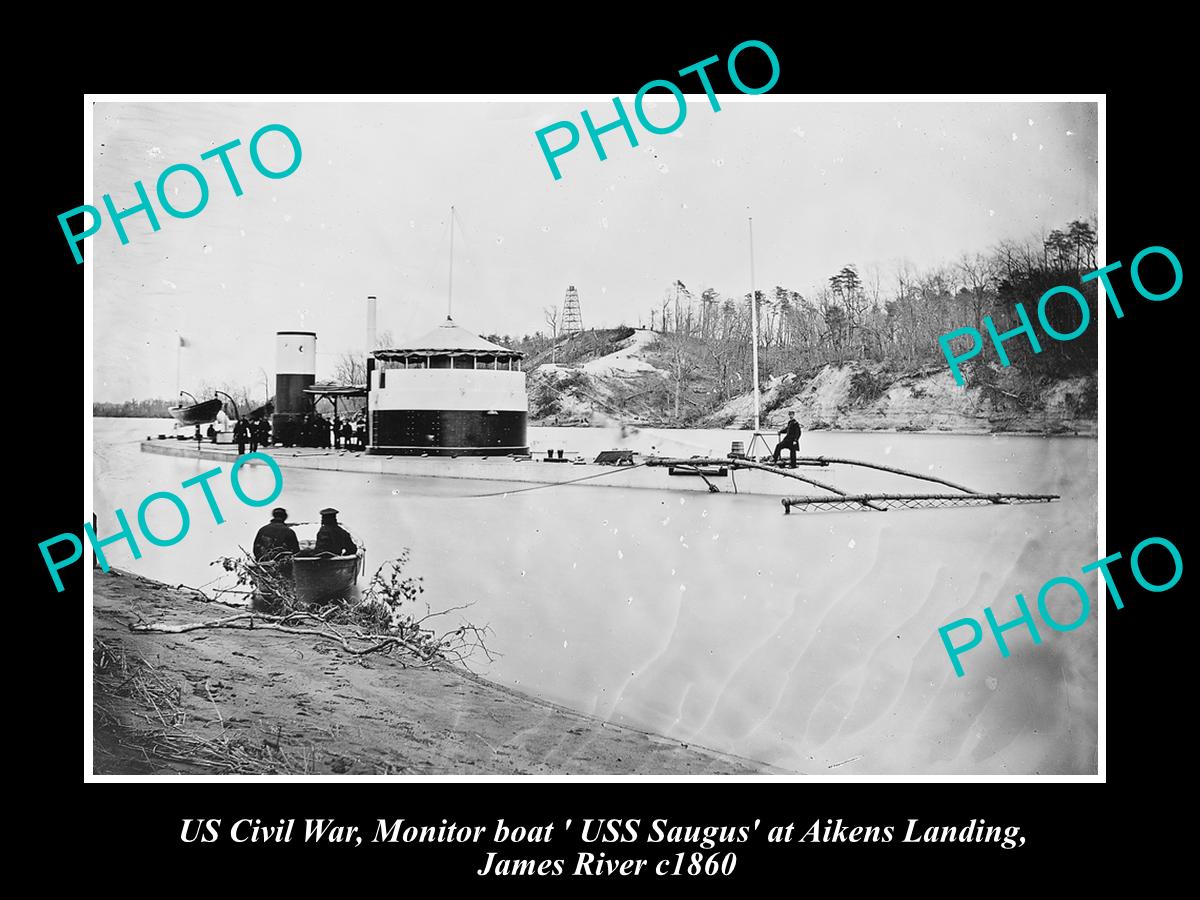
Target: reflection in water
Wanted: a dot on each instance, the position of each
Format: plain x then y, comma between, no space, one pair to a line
807,641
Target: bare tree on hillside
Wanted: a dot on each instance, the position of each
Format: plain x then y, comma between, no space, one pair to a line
721,352
709,300
551,313
978,274
682,365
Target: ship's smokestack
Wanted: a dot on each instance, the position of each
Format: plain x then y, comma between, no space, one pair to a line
295,369
371,310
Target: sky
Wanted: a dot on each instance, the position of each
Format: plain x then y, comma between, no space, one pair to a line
367,212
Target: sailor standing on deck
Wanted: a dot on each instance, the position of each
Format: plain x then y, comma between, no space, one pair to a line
791,438
275,537
333,538
239,435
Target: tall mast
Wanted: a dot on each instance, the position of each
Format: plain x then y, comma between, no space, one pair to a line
450,293
754,325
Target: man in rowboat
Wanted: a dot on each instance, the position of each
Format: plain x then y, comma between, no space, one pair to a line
275,537
333,538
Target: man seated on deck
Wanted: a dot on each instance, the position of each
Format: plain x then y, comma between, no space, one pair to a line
791,438
275,537
333,538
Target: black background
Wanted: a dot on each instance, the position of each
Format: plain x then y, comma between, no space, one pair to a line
1149,403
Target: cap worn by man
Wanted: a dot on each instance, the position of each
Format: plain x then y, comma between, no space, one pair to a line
332,537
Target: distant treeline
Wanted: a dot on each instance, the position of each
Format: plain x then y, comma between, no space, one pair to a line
892,316
134,409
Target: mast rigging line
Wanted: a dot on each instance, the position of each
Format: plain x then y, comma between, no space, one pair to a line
538,487
455,217
754,326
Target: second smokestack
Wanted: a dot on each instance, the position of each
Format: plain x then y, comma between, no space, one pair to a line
371,340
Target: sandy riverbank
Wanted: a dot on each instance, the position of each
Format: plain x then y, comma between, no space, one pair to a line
297,704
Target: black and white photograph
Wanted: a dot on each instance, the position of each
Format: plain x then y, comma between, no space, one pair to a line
469,436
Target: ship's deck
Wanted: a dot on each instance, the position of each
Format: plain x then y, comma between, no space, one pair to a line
497,468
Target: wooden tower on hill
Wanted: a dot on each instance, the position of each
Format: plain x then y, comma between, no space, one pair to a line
572,320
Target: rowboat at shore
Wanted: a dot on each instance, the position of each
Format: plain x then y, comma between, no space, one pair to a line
325,577
321,577
306,577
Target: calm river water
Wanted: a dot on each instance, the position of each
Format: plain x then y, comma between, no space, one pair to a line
808,641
